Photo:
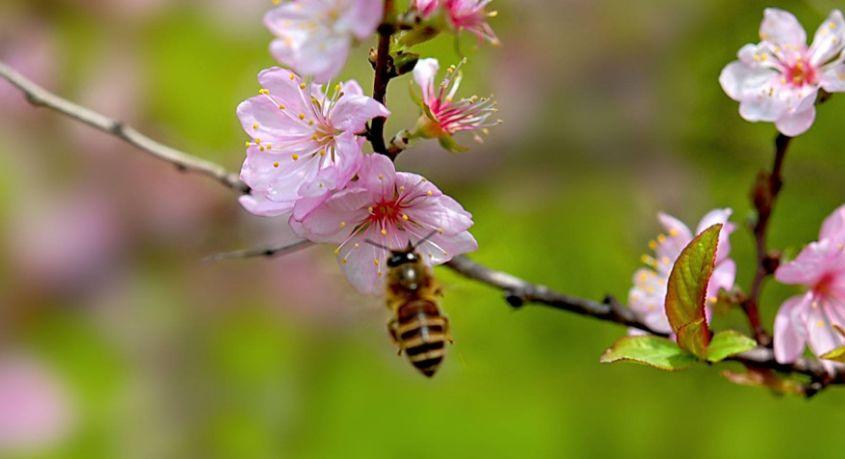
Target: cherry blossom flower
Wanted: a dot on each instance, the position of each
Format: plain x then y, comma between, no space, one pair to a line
442,115
392,209
648,294
304,141
314,36
34,407
778,79
469,15
809,318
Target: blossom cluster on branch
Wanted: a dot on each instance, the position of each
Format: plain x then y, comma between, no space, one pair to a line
306,158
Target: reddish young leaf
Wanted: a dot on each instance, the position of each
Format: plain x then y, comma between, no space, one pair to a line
687,291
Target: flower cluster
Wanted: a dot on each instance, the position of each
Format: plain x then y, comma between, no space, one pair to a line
469,15
306,157
647,295
779,79
817,317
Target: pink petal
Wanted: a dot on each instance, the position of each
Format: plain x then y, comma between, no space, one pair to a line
352,111
833,227
781,28
790,337
365,16
424,74
364,263
336,218
723,277
822,337
719,216
378,175
794,124
832,78
815,261
829,39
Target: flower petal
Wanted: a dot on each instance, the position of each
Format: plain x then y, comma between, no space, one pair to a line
829,39
782,28
424,74
833,227
832,78
794,124
790,336
352,111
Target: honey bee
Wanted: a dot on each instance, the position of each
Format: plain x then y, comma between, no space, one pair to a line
417,327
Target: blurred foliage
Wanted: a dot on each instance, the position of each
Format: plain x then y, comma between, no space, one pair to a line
612,112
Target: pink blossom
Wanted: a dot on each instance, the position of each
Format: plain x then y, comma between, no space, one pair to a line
305,141
442,115
648,294
34,408
469,15
809,318
778,79
392,209
314,36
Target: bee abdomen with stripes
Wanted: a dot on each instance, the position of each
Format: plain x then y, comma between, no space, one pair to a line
422,333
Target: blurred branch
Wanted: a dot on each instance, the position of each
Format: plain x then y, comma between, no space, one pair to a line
40,97
518,292
268,251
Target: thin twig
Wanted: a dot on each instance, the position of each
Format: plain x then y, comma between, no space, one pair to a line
40,97
764,195
518,291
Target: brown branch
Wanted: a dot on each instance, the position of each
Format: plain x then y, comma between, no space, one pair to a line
518,291
184,162
382,78
764,195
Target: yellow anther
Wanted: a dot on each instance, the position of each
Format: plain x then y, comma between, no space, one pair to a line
276,164
343,261
261,148
255,126
337,250
294,156
429,192
652,245
301,85
370,209
257,140
310,122
264,92
248,143
404,217
661,238
323,152
268,146
356,245
673,232
301,116
381,177
291,76
383,232
281,106
375,261
342,224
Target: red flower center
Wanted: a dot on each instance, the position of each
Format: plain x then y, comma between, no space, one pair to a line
386,212
800,73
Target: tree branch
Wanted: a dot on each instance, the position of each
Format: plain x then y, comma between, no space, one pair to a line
382,78
518,291
184,162
764,195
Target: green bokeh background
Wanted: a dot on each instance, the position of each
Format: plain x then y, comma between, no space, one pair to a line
612,113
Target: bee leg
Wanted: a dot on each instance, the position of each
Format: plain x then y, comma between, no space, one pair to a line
392,331
447,330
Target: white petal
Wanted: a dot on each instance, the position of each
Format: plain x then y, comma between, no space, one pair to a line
829,39
781,28
793,124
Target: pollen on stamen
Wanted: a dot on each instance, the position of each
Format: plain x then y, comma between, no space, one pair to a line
652,244
255,126
301,85
343,261
648,260
661,238
383,232
323,152
356,245
257,140
291,76
429,192
264,92
301,116
276,164
342,224
375,261
294,156
337,250
281,106
404,217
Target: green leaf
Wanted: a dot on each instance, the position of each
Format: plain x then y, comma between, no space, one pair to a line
449,144
837,355
687,291
654,351
727,343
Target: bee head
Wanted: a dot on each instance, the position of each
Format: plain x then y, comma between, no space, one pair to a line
400,258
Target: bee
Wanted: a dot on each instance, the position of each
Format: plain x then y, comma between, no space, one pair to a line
417,326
